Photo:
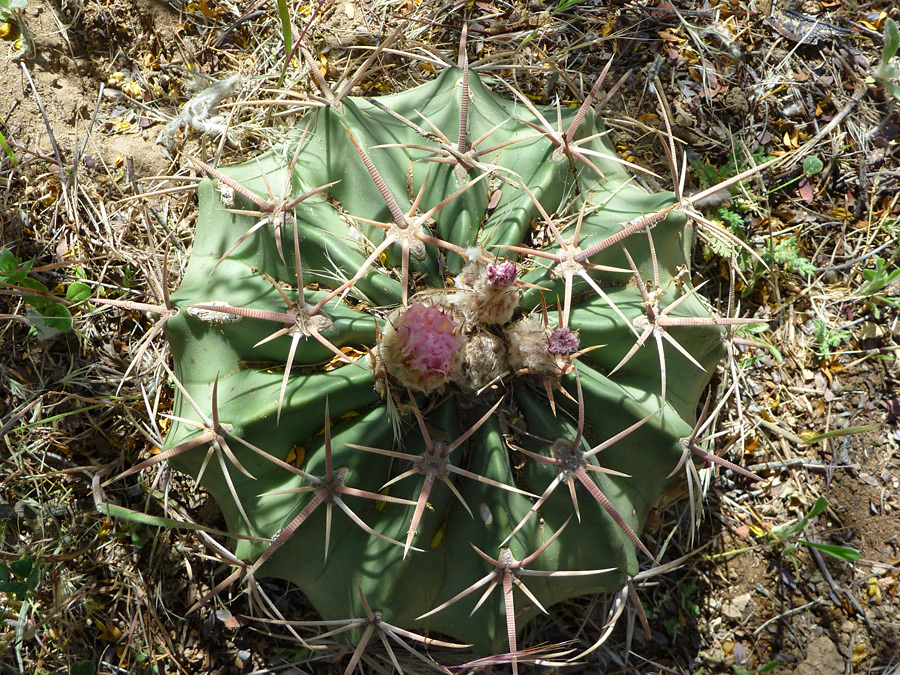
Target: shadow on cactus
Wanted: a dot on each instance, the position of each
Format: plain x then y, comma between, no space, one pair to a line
432,344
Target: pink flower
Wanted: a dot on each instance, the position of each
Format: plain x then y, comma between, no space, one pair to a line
422,347
503,274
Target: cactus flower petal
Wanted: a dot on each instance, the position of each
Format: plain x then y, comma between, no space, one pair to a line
422,347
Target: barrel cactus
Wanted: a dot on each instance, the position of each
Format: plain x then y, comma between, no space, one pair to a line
435,343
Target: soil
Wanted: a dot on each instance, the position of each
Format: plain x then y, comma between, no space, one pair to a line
116,595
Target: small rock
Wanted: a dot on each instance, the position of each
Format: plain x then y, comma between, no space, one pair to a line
868,479
886,584
822,658
735,608
715,658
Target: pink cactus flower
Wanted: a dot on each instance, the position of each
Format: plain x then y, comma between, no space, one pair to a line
503,274
422,347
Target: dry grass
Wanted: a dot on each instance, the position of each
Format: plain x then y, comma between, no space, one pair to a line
115,593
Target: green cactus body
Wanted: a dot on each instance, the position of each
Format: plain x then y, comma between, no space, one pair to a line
363,398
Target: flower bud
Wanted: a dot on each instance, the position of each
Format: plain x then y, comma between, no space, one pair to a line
421,347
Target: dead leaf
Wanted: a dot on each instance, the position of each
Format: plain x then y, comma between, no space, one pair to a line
670,37
109,632
296,456
206,11
840,213
805,189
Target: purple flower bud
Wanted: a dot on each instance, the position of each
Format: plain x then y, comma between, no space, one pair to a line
562,341
503,274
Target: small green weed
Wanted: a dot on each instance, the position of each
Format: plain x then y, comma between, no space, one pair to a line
786,255
137,533
709,175
564,5
8,150
51,316
754,331
732,220
887,74
688,609
7,7
812,165
789,537
21,577
129,277
876,281
827,338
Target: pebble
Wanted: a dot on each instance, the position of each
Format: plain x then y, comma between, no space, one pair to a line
822,658
735,609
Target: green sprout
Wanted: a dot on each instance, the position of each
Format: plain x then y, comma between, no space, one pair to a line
50,315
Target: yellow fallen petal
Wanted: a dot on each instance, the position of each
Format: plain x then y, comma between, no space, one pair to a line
859,653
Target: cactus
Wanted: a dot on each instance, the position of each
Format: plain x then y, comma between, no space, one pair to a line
410,365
